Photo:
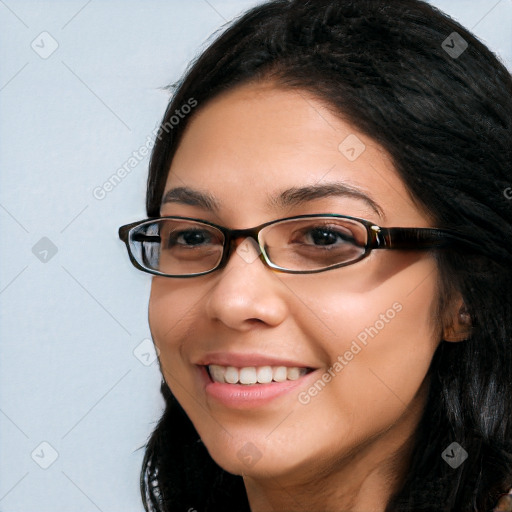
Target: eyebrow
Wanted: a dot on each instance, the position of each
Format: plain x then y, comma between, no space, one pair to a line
189,196
294,196
297,196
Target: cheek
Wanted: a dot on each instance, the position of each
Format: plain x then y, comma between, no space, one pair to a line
380,349
161,316
392,296
170,305
382,340
172,315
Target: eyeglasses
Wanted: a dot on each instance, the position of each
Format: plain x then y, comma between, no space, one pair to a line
304,244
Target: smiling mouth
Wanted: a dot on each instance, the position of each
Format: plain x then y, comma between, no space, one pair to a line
251,375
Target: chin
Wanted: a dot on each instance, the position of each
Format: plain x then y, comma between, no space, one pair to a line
256,458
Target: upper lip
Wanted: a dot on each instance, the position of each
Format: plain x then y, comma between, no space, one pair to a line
245,360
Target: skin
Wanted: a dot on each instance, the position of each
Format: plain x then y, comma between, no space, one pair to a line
349,447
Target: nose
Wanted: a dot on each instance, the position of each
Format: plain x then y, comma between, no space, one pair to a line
247,291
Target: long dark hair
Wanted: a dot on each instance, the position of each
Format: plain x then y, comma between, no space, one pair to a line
396,71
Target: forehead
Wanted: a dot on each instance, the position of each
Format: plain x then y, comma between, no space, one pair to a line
249,147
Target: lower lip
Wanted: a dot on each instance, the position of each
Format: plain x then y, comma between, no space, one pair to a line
243,396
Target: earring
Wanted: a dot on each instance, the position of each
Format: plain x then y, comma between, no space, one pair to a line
464,317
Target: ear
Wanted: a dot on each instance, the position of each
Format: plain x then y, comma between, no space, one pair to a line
459,325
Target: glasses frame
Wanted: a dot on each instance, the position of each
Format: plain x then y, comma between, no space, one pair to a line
391,238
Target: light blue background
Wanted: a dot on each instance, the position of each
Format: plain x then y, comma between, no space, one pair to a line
69,327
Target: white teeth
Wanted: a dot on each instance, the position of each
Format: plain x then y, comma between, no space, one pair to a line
251,375
248,375
280,374
230,375
217,373
264,374
293,373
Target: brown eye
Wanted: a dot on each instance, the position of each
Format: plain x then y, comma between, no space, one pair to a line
189,238
325,236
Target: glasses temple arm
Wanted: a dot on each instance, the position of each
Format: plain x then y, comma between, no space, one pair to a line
413,238
139,237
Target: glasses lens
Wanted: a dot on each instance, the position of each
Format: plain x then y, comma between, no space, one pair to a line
314,243
177,247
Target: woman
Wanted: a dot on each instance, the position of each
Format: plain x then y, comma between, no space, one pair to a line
336,364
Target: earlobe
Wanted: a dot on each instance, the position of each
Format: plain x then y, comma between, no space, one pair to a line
460,327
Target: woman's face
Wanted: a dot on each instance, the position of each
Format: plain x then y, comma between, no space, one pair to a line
365,330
